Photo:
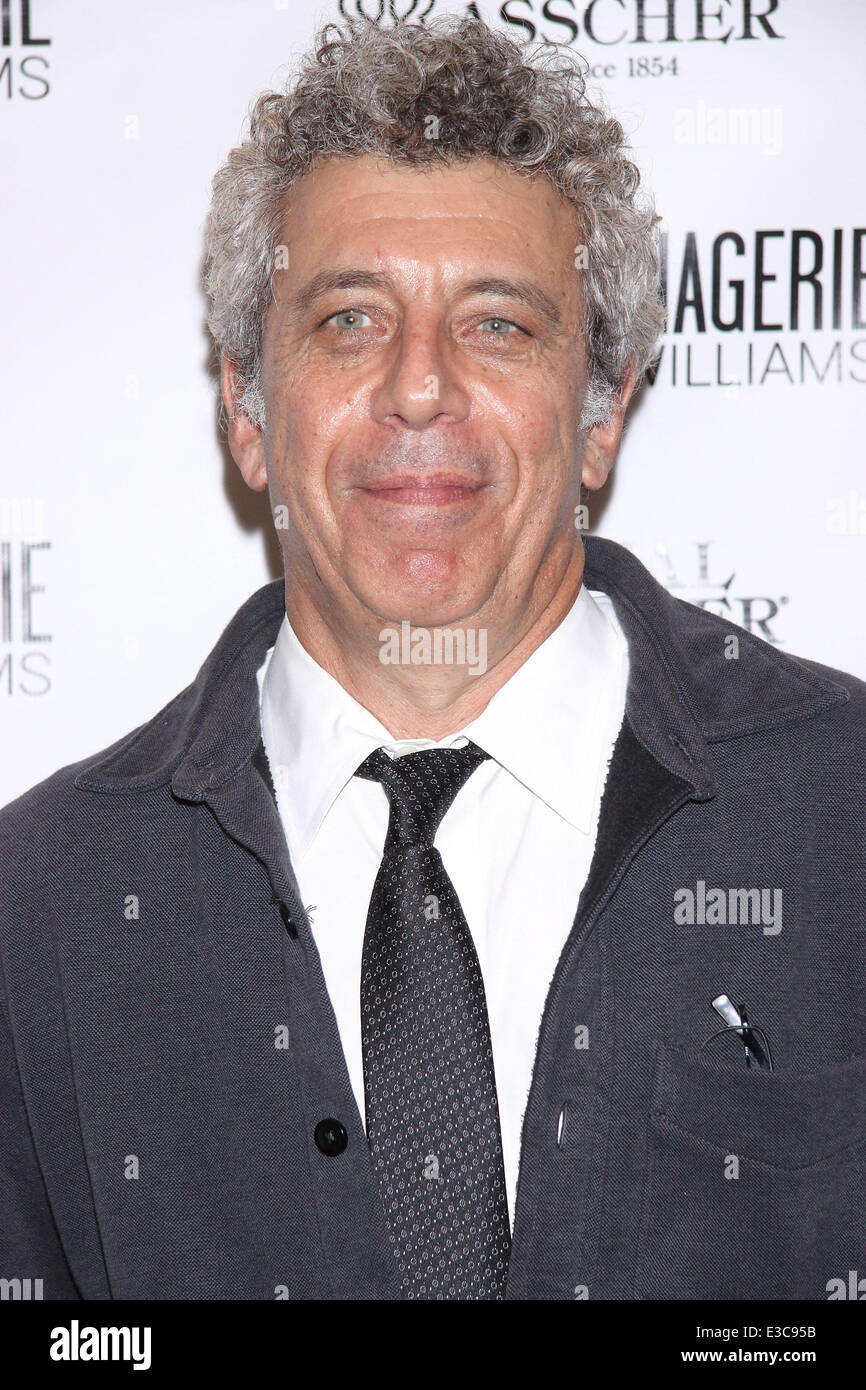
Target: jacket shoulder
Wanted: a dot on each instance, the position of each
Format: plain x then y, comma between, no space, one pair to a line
763,685
48,816
147,756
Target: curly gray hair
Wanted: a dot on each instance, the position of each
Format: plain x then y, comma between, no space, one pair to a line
371,90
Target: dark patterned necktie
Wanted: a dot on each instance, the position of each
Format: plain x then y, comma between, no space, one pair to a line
429,1084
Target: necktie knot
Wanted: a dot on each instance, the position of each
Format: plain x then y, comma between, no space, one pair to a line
420,787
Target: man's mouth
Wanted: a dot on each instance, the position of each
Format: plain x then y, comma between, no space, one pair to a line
438,490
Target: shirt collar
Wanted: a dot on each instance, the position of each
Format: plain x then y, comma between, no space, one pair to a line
552,725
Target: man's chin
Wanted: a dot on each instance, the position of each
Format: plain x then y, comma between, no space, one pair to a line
419,607
425,588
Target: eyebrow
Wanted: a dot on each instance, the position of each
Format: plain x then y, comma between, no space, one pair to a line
523,291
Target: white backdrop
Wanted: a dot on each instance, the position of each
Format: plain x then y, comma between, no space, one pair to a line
127,539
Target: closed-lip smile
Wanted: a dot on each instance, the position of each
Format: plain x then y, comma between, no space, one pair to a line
434,490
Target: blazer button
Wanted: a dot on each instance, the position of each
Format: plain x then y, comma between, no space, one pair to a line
330,1137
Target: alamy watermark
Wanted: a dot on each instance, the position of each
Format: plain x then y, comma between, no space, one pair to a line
77,1343
759,127
21,1290
702,906
437,646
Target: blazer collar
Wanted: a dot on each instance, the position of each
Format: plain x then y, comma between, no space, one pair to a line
682,696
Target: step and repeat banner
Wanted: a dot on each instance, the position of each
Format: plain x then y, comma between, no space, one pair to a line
127,538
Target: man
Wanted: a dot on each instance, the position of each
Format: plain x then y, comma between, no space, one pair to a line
380,963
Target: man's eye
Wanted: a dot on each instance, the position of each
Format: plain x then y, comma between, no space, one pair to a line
352,319
500,324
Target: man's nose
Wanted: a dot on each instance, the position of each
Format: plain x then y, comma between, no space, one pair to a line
421,379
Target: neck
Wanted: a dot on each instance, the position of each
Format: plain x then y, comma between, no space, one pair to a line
427,700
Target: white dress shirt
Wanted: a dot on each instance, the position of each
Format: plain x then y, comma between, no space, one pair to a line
516,841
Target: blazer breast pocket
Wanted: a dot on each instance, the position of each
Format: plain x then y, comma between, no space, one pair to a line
755,1181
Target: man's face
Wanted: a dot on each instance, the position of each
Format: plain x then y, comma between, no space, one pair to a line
423,375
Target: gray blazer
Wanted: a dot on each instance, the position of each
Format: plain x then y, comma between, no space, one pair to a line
168,1047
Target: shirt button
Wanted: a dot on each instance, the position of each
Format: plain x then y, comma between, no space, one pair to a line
330,1137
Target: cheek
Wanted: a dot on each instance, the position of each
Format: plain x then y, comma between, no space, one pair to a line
545,460
321,423
300,409
302,450
549,413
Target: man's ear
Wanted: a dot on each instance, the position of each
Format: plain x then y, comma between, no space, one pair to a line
245,438
602,441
